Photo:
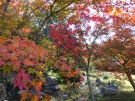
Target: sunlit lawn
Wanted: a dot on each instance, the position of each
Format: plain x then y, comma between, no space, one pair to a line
125,89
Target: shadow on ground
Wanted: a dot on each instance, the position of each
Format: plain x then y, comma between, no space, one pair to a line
121,96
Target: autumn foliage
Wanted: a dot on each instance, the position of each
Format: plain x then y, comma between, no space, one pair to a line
116,52
73,27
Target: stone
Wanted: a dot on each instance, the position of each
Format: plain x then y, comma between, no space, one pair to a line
20,92
109,90
51,85
51,81
98,82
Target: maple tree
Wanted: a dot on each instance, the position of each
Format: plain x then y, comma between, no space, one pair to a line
72,42
121,51
20,57
116,53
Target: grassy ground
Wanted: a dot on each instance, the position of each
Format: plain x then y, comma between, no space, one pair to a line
124,87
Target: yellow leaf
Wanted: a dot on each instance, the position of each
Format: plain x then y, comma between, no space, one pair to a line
24,96
34,82
42,79
39,74
44,99
47,97
7,68
34,98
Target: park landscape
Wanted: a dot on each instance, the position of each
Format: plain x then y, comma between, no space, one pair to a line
63,39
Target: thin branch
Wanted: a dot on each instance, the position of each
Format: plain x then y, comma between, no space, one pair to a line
27,7
37,8
87,46
90,52
50,15
64,7
51,7
6,5
28,16
121,63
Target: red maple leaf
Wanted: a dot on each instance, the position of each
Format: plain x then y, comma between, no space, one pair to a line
16,63
21,79
2,48
22,44
19,83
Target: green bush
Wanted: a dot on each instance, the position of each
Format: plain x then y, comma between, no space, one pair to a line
105,77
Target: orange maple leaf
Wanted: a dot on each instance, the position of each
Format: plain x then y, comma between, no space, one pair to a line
25,30
38,86
34,98
24,96
28,62
47,96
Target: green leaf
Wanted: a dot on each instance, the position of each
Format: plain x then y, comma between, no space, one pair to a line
31,70
7,68
76,1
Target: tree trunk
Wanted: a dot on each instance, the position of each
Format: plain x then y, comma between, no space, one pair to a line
3,81
89,84
2,92
131,80
6,5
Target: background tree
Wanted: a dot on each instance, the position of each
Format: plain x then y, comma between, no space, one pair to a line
116,52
